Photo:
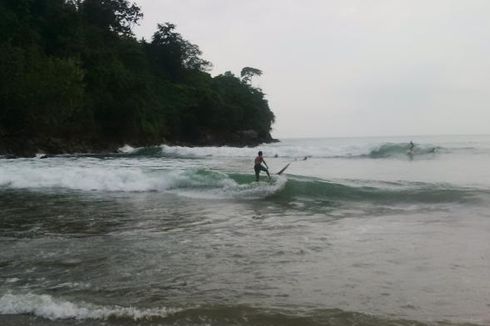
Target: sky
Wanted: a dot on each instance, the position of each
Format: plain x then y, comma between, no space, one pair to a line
348,68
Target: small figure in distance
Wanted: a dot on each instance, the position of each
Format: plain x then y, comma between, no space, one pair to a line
259,167
411,146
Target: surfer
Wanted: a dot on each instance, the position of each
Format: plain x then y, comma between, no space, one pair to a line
259,167
411,147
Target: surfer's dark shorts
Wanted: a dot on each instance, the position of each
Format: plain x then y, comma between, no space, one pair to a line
259,168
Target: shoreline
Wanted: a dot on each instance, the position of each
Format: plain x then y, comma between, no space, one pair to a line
29,148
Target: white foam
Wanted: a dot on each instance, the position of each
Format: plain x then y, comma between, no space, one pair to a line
127,149
12,280
270,150
51,308
229,189
223,151
101,178
282,150
128,175
260,189
300,148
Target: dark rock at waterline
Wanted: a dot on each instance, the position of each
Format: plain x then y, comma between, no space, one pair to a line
242,138
19,146
13,147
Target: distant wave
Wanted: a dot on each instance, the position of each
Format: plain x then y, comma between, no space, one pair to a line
298,150
383,150
397,149
189,152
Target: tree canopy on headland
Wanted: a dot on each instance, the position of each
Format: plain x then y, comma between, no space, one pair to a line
75,77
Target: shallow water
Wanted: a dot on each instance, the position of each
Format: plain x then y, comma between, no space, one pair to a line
360,233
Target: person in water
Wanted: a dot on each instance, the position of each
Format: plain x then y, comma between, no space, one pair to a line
259,167
412,146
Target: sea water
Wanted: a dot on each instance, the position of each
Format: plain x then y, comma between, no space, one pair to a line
357,231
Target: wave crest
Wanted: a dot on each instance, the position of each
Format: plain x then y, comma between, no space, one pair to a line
406,192
46,306
401,149
375,151
197,183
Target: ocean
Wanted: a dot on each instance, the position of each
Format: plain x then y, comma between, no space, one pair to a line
357,231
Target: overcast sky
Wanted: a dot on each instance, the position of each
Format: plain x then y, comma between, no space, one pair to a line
336,68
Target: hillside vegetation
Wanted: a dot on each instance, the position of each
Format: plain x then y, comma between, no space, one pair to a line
75,79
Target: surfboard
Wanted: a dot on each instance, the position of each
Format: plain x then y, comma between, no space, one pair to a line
283,169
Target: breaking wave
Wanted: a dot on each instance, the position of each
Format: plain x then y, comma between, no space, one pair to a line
212,184
46,306
123,176
198,183
375,151
55,309
80,178
402,150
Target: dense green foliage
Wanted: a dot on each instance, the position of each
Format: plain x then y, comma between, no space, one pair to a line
73,70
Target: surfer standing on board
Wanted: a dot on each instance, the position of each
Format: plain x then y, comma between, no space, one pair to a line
411,146
259,167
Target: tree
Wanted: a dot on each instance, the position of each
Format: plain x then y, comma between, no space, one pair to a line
117,16
248,72
244,107
43,94
74,74
174,54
